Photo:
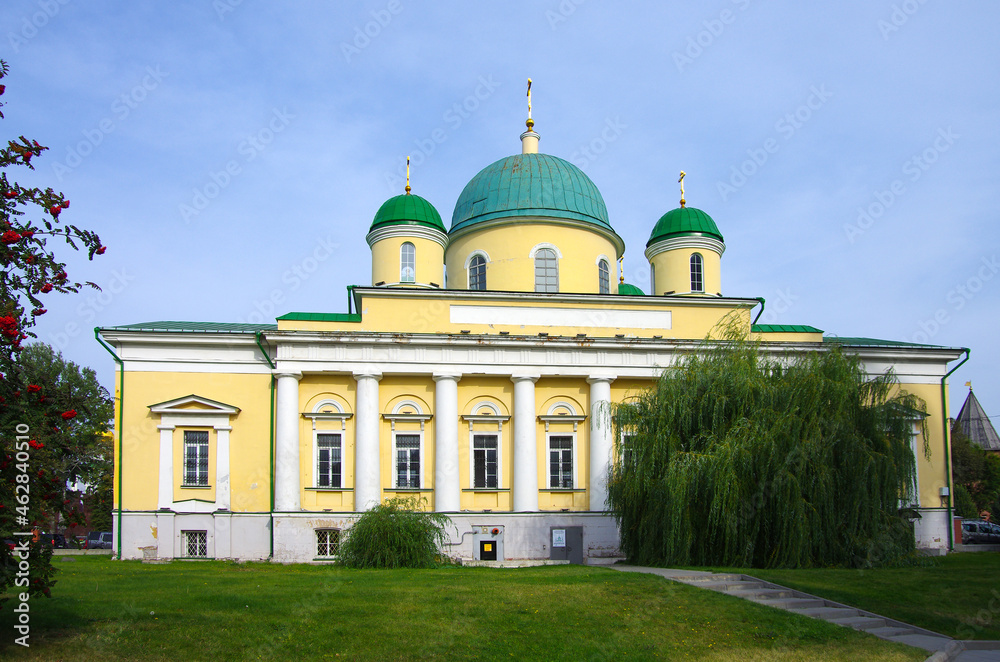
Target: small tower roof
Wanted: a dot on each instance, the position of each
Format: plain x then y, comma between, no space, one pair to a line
628,289
408,209
684,221
976,425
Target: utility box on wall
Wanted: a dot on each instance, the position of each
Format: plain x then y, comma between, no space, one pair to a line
487,543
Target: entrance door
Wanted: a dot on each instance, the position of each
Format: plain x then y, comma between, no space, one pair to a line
566,544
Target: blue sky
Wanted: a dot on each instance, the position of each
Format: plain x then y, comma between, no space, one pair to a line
233,153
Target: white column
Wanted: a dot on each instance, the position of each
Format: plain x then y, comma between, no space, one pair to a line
601,442
447,492
525,445
165,498
222,492
367,470
287,471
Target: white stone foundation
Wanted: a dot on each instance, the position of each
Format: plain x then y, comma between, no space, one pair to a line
931,530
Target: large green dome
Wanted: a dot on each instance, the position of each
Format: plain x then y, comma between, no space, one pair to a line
408,210
530,185
684,221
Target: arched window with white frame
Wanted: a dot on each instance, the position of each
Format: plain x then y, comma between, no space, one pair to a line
697,273
486,444
407,423
603,277
561,423
546,270
407,263
477,273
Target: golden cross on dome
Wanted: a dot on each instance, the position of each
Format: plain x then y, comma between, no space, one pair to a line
530,123
407,175
621,269
681,181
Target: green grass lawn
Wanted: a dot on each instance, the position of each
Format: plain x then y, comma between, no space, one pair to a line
213,610
957,595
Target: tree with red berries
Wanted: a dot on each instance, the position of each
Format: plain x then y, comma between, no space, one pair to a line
49,414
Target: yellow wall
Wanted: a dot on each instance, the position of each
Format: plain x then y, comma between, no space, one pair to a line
512,269
428,258
401,312
392,391
576,392
249,439
499,392
673,271
314,389
931,472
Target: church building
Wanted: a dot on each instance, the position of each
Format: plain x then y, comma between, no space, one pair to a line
473,374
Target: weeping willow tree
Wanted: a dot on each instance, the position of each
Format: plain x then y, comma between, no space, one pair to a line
738,459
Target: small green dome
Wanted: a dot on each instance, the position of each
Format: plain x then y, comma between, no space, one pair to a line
530,185
684,221
408,209
628,289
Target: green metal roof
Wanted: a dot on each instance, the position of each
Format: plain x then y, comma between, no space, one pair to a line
684,221
784,328
530,185
630,290
196,327
321,317
874,342
408,209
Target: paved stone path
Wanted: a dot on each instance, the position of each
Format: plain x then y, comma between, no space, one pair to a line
942,648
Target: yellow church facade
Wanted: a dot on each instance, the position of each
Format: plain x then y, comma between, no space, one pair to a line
474,375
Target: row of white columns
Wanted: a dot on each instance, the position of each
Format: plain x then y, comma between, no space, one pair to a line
447,488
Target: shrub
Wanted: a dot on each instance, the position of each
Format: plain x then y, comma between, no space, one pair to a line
394,534
965,506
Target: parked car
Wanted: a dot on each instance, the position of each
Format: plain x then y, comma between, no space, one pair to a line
57,540
93,540
107,540
978,532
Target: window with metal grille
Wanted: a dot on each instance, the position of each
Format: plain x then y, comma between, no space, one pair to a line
603,277
408,460
628,449
195,458
407,263
697,282
561,461
327,542
477,273
195,543
546,271
485,449
328,461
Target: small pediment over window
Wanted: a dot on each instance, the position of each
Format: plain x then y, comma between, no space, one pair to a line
194,404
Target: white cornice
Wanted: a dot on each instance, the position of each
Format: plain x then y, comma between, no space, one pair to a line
696,242
486,354
406,231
